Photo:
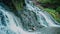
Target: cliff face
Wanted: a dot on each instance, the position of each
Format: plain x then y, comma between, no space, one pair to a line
8,3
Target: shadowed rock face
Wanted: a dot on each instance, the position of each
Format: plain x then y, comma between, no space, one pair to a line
9,4
12,5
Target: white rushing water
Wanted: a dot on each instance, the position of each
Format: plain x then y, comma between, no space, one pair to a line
43,24
10,27
49,19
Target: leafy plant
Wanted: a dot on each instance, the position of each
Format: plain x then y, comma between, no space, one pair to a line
58,10
54,13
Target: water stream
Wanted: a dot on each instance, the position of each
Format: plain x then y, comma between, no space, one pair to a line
32,20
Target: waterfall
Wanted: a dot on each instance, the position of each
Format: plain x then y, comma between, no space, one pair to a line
32,20
43,16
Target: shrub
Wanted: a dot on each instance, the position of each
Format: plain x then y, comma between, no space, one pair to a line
58,10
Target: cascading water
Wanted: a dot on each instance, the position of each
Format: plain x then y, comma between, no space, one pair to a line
31,20
43,16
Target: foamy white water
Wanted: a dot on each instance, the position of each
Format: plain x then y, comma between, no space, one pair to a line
39,12
40,22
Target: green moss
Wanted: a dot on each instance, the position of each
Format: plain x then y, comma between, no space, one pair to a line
18,4
54,13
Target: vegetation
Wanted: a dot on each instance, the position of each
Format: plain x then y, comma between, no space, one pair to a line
18,4
49,1
53,13
58,10
52,7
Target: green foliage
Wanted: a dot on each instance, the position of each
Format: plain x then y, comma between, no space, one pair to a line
18,4
52,4
53,13
43,1
58,10
49,1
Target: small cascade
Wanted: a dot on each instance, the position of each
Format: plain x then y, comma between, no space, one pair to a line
32,20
